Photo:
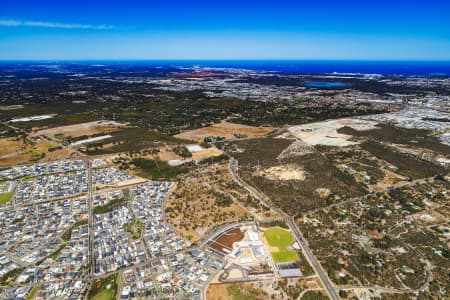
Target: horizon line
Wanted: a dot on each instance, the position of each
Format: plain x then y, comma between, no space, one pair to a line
223,59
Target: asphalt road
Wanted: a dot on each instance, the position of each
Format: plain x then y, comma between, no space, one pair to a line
90,218
292,226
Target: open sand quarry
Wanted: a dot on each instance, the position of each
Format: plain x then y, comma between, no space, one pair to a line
325,133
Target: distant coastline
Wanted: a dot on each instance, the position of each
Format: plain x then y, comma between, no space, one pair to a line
406,68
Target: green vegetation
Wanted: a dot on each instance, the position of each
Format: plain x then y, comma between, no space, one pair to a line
182,151
129,139
55,254
222,199
407,165
5,198
361,162
32,293
407,136
104,289
293,196
243,292
158,170
6,131
375,219
284,256
68,233
306,268
291,290
343,294
54,148
135,228
10,276
17,220
105,294
109,206
214,159
36,155
300,99
314,295
281,238
275,223
60,120
262,150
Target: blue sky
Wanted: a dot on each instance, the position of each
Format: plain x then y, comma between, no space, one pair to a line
356,30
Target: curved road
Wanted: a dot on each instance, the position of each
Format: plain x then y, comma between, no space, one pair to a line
213,234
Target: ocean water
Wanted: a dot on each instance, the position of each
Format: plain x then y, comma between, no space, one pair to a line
324,67
322,84
290,66
354,67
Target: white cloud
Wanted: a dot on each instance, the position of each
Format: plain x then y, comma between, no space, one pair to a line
17,23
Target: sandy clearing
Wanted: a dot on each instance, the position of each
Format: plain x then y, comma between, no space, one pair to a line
76,130
58,154
224,129
297,148
123,183
390,179
323,192
133,181
206,153
14,152
14,160
10,146
235,274
166,155
325,133
284,172
218,291
193,203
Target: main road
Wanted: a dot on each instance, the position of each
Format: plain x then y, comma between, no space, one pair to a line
90,218
292,226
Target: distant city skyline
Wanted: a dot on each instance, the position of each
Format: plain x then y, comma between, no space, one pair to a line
235,30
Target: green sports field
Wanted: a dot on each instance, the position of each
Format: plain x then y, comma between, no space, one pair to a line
4,198
281,238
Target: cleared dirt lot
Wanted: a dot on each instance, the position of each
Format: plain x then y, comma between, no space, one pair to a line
13,152
206,153
76,130
10,146
224,129
284,172
325,133
218,291
226,240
